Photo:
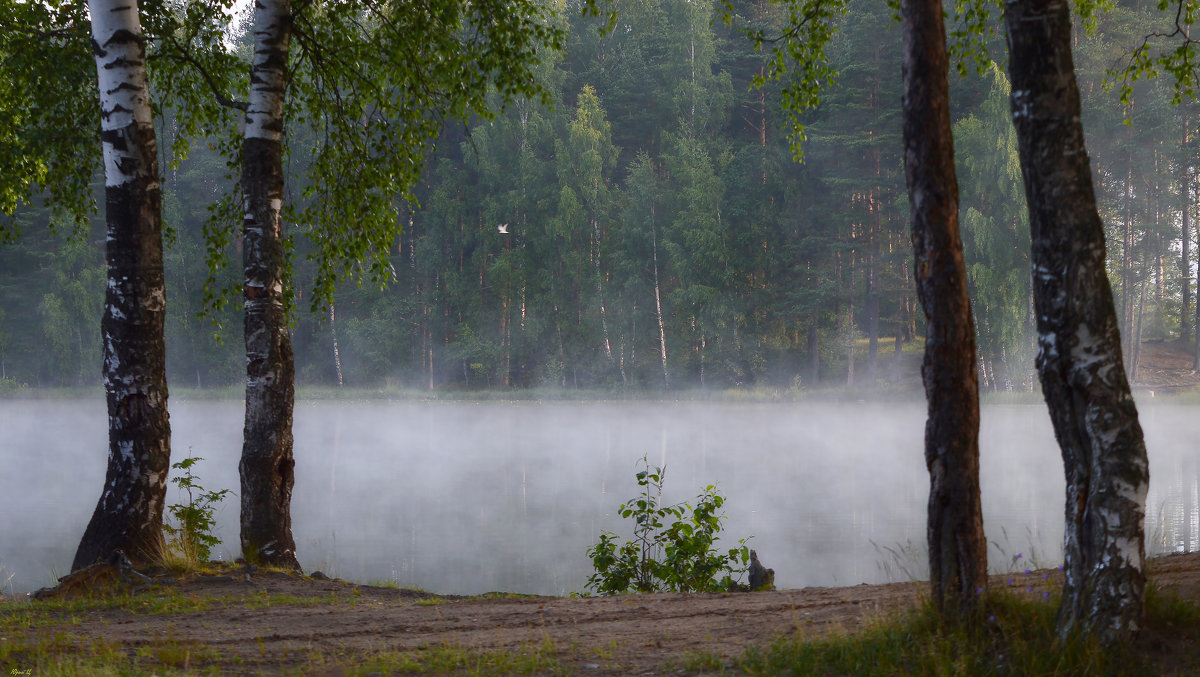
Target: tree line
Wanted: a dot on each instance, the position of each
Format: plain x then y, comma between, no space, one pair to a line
659,233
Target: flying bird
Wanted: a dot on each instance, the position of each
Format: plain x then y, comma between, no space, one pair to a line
502,228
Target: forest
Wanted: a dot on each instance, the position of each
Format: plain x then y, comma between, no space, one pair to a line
651,228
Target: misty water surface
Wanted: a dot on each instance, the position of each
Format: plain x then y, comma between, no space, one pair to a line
457,497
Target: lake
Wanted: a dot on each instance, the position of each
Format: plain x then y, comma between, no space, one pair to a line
471,497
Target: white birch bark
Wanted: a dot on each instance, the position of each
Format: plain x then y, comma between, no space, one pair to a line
600,289
267,462
268,75
1079,355
662,329
124,94
128,515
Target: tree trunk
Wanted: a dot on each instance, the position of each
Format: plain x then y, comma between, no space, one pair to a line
1196,316
1136,340
267,464
600,289
1079,355
128,515
1127,263
1185,320
957,547
872,319
874,233
337,354
662,329
813,345
852,332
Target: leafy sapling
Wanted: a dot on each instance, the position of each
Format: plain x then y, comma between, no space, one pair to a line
673,546
192,534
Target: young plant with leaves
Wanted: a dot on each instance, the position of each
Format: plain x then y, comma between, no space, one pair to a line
673,547
192,534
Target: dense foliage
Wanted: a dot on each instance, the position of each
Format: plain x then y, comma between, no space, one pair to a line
651,230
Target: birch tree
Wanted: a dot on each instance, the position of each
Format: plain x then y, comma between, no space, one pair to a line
1079,346
128,515
266,467
66,66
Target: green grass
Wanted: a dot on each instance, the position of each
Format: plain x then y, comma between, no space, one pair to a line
532,659
1016,638
19,614
1169,610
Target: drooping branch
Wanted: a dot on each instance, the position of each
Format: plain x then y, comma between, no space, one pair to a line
184,56
1178,61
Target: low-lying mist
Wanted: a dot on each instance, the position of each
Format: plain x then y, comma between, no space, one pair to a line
466,498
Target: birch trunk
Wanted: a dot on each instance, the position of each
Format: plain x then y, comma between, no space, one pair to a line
1136,340
1127,264
128,515
267,466
957,547
853,334
1079,345
337,354
658,310
600,287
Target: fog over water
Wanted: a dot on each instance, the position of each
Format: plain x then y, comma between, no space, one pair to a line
461,497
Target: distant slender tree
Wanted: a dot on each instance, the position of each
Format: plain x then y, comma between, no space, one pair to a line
585,163
640,223
1079,358
957,547
1185,263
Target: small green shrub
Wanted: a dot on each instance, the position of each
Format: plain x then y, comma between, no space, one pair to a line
10,386
192,534
673,546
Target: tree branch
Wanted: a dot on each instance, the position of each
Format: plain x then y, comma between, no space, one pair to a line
181,54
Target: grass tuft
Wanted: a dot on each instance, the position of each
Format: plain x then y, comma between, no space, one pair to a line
1016,637
532,659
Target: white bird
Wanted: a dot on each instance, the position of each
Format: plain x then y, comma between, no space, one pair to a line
502,228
